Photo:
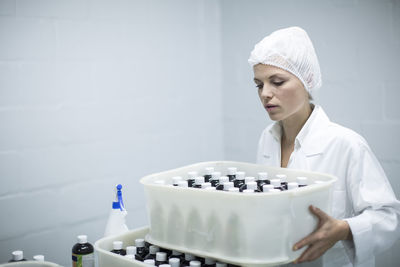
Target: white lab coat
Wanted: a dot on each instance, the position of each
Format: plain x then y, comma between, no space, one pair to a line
362,196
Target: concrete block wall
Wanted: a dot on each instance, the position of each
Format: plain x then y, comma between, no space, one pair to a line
94,93
358,46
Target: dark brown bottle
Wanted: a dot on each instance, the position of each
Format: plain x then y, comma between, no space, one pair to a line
208,174
232,173
152,253
82,252
239,180
161,258
117,248
141,250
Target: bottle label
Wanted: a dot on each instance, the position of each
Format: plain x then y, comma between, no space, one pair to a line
83,260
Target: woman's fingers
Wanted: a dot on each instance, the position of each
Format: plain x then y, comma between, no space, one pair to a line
319,213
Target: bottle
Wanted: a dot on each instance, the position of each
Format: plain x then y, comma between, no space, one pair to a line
283,179
222,180
292,185
150,262
175,180
248,191
208,174
38,258
215,178
276,183
152,253
267,187
195,263
177,255
82,253
198,181
188,258
17,255
141,250
232,173
239,180
262,180
116,220
205,185
233,189
209,262
227,186
191,176
131,250
246,180
168,251
161,257
183,184
253,185
174,262
302,181
117,248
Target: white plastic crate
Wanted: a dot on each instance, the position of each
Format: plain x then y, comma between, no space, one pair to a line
244,229
105,245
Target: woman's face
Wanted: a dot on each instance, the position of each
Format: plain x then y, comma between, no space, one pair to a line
281,93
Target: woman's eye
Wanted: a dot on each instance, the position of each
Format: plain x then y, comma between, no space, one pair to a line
259,86
277,83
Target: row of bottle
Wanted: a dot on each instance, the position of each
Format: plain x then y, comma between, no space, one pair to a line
157,256
18,255
236,181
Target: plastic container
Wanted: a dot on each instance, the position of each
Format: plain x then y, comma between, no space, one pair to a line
106,258
30,264
256,229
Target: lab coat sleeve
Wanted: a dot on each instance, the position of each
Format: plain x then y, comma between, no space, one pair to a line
375,221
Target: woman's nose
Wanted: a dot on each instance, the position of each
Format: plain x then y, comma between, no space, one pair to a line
266,92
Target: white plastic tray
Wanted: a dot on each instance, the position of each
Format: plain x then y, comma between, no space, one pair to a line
105,245
244,229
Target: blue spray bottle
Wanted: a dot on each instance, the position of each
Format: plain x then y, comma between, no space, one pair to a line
116,221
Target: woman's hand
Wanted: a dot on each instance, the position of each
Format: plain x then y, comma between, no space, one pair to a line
328,232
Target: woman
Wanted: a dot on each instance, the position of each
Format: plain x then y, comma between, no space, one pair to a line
365,212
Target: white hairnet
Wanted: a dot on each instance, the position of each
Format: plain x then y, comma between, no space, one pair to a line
290,49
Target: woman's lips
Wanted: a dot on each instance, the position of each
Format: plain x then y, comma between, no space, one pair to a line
270,107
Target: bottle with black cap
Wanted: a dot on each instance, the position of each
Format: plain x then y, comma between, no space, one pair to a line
141,250
232,173
239,180
82,253
117,248
262,180
161,258
152,252
17,255
208,174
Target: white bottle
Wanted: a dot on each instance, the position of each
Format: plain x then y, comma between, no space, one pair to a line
174,262
38,258
116,221
292,185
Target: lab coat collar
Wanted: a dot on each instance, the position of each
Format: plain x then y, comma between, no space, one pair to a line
307,137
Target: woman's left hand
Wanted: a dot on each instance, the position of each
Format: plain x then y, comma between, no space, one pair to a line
328,232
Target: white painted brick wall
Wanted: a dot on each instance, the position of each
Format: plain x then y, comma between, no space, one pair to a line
94,93
357,43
